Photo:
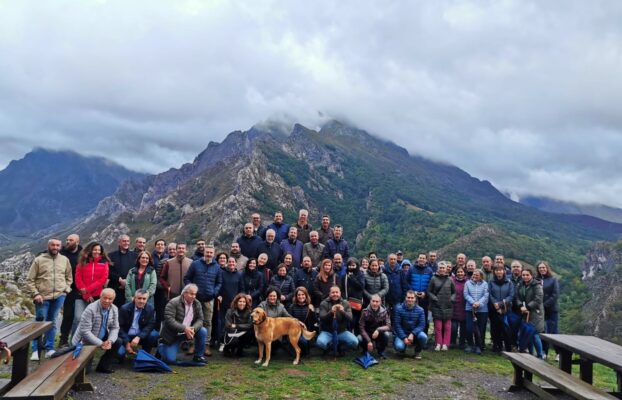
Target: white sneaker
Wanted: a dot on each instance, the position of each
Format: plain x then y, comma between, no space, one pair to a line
557,358
221,348
34,356
444,347
437,348
49,353
544,357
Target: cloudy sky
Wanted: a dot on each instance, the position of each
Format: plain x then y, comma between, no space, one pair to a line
527,95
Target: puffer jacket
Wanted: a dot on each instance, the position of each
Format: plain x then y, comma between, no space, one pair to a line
207,277
476,292
150,280
371,320
285,284
92,277
501,292
550,287
459,302
304,313
241,319
441,293
352,285
419,278
274,310
408,320
50,277
253,285
397,284
375,283
531,295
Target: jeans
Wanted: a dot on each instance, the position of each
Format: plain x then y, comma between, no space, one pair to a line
400,346
168,352
346,337
48,310
78,309
455,327
500,338
68,316
149,343
550,319
442,332
482,320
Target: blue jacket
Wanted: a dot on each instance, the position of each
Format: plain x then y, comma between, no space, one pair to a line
500,291
336,246
419,278
249,245
208,277
280,231
146,321
305,278
408,320
550,287
286,287
294,248
232,284
476,292
397,284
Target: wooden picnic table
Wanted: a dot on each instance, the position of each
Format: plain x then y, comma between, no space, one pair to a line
18,336
590,350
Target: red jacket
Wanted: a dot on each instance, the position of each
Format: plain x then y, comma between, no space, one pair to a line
92,277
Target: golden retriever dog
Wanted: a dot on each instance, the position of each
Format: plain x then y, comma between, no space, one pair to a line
269,329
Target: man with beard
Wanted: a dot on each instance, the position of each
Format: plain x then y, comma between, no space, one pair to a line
140,244
200,250
159,256
280,229
48,282
304,228
258,229
72,251
432,261
249,242
272,250
337,244
173,272
305,275
240,259
122,260
325,232
293,246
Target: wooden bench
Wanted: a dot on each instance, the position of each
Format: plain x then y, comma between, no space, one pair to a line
526,365
54,378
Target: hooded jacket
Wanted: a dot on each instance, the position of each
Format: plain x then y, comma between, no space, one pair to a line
92,277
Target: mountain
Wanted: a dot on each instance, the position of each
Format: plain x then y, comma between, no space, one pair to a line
563,207
385,198
602,275
47,188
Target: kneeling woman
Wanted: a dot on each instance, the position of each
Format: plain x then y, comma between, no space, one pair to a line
238,321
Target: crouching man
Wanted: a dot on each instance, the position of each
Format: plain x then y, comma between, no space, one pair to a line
409,326
375,325
99,326
137,325
335,316
183,320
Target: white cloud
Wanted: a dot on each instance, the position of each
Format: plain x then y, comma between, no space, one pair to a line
524,94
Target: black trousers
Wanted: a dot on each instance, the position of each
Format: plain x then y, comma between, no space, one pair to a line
68,313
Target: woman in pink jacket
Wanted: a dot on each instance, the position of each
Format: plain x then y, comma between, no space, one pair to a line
91,278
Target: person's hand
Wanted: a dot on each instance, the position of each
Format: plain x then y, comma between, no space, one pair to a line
135,341
90,299
189,331
38,299
523,309
375,334
370,346
219,298
476,304
233,326
107,345
283,298
496,306
129,349
408,342
83,290
122,283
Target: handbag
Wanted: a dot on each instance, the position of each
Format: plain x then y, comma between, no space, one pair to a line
355,304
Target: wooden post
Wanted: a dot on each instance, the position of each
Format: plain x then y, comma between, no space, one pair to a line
586,370
20,366
565,360
518,379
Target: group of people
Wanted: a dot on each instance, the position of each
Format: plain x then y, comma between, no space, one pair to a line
166,300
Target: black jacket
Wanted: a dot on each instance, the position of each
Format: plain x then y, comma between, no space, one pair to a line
146,322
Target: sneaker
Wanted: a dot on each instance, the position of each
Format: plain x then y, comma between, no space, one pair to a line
199,359
34,356
544,357
49,353
557,358
383,355
468,349
221,348
477,351
437,347
444,348
418,356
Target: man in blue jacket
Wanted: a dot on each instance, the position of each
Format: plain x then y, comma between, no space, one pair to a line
207,275
337,244
419,277
408,326
280,229
137,325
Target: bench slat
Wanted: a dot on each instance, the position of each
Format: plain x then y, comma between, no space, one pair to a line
558,378
12,328
61,380
54,378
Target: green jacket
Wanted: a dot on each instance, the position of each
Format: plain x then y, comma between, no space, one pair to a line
150,281
532,296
